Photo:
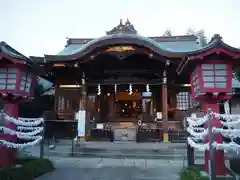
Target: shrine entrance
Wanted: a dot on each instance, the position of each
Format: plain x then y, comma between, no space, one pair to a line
127,88
120,86
128,111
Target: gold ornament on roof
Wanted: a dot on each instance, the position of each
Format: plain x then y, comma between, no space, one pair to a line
120,49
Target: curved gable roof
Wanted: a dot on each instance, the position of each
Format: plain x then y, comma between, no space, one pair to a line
76,51
170,43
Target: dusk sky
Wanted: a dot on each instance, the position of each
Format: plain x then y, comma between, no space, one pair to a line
41,27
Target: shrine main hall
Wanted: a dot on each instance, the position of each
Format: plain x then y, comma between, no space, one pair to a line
125,80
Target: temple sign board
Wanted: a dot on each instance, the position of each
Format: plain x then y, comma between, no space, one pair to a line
80,117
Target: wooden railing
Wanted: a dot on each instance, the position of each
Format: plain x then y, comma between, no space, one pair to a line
102,135
156,135
66,114
60,129
149,135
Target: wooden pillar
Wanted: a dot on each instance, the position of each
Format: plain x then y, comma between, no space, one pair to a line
154,103
165,106
97,106
8,155
111,107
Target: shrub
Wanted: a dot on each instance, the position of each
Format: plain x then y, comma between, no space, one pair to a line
30,169
194,173
190,173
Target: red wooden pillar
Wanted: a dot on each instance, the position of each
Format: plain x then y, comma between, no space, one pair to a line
219,154
7,155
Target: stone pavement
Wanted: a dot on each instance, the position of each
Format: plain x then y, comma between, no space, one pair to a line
113,169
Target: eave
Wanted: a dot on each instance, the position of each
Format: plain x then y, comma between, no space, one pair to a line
113,40
9,53
215,47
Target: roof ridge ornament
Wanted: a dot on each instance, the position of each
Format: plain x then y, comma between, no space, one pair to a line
126,28
216,37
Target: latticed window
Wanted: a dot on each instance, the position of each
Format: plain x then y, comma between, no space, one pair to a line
8,77
25,82
214,75
183,100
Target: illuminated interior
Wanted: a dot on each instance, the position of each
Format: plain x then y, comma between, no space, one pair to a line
128,108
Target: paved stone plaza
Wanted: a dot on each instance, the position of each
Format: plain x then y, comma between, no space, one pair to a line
113,169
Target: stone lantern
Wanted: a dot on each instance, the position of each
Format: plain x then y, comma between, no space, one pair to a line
17,80
211,82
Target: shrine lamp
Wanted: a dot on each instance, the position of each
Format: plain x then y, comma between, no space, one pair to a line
17,80
211,77
211,69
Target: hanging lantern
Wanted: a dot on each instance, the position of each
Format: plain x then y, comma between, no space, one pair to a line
99,89
115,88
147,88
130,89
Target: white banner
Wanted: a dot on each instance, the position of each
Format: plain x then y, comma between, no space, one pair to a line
81,116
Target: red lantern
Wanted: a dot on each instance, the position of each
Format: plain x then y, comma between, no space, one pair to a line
17,79
212,77
211,80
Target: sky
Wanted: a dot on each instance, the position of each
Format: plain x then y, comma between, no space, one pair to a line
36,28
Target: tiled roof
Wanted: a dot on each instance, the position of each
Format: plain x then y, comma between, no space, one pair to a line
11,52
5,48
172,45
70,49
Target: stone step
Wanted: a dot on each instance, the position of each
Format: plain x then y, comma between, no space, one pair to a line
122,150
179,156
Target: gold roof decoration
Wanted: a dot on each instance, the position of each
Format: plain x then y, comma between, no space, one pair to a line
120,49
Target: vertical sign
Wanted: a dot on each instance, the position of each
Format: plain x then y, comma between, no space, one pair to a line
81,123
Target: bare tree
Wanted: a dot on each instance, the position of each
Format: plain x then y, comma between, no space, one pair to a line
190,31
202,37
200,34
168,32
